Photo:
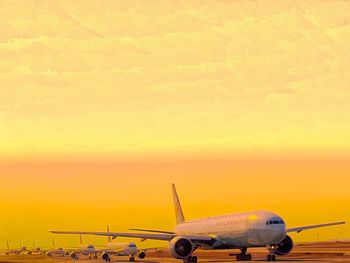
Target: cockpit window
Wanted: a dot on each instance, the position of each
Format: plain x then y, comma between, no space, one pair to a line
274,222
132,245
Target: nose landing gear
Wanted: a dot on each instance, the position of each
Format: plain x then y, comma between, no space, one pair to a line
191,260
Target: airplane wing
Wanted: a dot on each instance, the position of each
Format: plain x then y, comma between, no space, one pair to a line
119,234
152,231
143,236
302,228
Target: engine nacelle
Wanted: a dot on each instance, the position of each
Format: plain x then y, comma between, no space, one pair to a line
283,248
105,256
181,247
141,255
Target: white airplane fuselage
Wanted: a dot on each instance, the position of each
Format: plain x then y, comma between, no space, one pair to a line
251,229
87,249
121,248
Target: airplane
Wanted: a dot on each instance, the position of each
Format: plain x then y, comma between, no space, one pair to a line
84,249
58,252
34,250
9,251
121,249
23,250
16,251
111,248
233,231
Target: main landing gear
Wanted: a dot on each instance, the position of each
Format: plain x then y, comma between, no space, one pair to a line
244,256
271,257
93,255
191,260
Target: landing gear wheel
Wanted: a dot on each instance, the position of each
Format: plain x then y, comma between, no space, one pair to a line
244,257
191,260
132,259
271,257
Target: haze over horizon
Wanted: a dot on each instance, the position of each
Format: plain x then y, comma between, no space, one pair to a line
244,105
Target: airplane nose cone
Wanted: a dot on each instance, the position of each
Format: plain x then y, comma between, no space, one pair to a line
277,234
276,228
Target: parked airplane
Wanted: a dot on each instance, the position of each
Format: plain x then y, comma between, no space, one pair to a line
84,249
56,251
15,251
112,248
233,231
122,249
21,249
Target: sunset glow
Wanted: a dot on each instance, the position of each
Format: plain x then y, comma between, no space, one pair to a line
244,105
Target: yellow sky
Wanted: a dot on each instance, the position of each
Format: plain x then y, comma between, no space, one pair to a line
130,96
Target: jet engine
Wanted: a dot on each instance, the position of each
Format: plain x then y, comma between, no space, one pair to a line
181,247
142,255
284,247
74,256
106,257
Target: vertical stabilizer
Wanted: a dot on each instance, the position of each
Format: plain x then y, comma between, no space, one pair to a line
178,209
109,238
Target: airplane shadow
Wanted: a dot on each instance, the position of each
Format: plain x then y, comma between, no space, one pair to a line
262,260
228,260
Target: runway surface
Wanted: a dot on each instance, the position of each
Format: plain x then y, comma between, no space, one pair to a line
311,252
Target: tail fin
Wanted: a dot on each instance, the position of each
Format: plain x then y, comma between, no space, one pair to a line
178,210
109,238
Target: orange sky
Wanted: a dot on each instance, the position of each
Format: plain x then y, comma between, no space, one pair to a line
245,105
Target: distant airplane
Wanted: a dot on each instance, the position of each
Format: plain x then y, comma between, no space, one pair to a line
233,231
9,251
23,250
84,249
121,249
56,252
16,251
112,248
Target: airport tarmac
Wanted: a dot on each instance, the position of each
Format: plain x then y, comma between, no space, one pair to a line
310,252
